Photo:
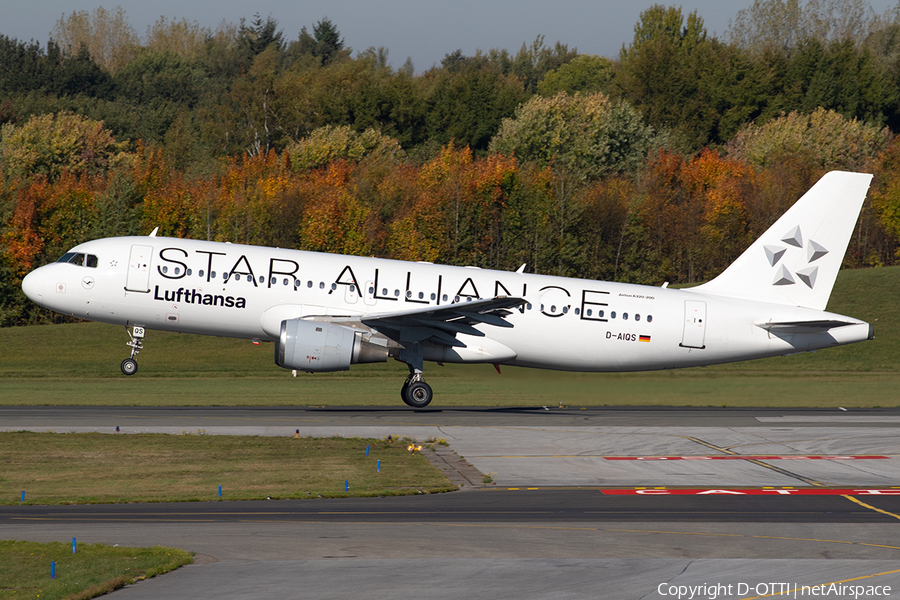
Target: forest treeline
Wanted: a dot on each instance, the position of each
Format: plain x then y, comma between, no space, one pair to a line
662,164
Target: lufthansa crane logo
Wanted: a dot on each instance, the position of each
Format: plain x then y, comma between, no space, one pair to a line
783,275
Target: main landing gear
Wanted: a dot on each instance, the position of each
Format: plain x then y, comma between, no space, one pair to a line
415,392
129,365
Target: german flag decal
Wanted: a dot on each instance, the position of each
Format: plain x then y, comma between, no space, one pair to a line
644,338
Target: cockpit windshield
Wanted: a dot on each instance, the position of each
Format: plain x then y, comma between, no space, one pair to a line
79,258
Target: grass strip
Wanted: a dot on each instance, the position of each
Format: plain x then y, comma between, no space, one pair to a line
70,468
482,387
94,570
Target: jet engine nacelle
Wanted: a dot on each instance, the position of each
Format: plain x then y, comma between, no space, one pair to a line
314,346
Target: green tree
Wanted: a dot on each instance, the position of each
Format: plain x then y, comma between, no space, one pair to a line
468,99
581,138
584,73
260,35
325,44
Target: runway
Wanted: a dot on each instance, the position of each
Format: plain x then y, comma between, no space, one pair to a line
566,532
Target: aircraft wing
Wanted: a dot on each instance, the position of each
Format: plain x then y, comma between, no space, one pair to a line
440,324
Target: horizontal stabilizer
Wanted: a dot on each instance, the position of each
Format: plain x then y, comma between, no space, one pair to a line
804,326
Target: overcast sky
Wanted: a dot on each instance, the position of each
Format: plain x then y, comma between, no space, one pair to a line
425,30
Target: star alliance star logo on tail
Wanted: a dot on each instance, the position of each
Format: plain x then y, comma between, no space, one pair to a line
783,275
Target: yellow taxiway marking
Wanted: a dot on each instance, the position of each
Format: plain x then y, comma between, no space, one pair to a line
824,585
869,506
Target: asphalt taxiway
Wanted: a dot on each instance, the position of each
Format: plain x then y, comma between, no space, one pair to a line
712,497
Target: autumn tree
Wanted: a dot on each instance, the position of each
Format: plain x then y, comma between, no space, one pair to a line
55,143
587,135
327,144
107,35
783,24
823,139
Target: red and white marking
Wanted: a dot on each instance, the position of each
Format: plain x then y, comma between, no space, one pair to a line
751,457
751,492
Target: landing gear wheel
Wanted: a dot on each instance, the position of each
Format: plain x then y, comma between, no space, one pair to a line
418,394
129,366
403,392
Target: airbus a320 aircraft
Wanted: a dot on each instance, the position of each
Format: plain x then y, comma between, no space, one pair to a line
326,312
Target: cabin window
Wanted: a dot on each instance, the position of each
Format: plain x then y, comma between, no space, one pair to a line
333,286
577,311
262,279
444,298
637,317
433,297
396,293
212,274
188,272
225,275
565,310
177,270
625,316
285,281
600,314
352,288
612,315
200,272
649,318
321,285
371,290
309,284
589,312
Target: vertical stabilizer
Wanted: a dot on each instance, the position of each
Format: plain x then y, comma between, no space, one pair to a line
797,259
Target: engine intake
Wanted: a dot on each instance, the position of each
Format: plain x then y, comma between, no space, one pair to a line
313,346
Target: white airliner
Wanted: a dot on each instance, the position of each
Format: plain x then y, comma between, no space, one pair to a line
325,312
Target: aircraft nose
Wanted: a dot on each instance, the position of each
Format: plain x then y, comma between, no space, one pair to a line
33,286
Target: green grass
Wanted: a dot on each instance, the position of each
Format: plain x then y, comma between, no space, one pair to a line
93,570
79,364
54,468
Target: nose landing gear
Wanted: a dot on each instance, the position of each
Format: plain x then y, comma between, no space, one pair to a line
129,365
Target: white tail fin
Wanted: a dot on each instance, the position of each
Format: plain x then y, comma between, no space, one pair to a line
797,259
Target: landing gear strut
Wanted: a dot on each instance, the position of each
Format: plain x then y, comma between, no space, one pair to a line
129,365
